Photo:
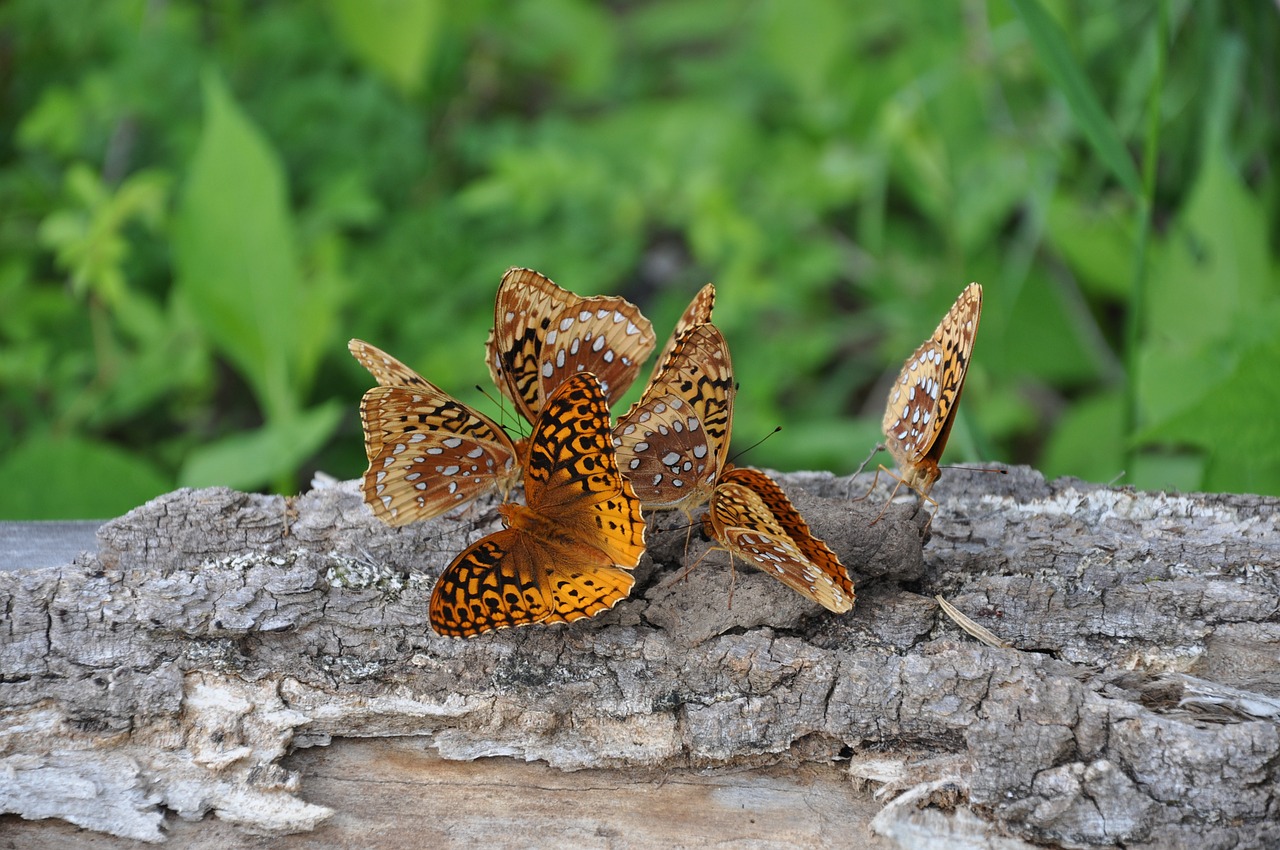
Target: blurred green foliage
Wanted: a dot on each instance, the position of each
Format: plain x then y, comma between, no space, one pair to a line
201,202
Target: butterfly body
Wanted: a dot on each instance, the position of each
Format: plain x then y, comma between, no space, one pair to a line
922,402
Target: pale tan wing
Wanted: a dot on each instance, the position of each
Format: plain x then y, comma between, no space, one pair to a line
606,336
784,513
672,443
743,522
697,313
542,334
429,452
386,370
922,403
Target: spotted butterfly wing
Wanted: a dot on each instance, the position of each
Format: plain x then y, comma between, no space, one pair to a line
386,370
922,403
697,313
569,552
427,451
672,443
752,517
543,334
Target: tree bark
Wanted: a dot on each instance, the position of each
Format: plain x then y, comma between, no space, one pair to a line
171,673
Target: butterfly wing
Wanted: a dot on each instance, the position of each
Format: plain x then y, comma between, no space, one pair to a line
526,306
429,452
752,518
386,370
697,313
568,554
572,478
542,334
603,335
673,442
503,580
920,412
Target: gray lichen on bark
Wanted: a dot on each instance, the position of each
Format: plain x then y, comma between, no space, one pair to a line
213,631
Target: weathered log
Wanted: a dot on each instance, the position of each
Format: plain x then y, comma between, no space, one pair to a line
171,673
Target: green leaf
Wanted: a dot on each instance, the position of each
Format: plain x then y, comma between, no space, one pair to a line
1236,417
235,253
1096,238
74,478
1086,441
393,37
1052,48
1213,291
1214,268
253,459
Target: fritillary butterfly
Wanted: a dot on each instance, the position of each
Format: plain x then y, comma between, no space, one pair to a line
568,553
672,443
427,451
753,519
542,334
922,403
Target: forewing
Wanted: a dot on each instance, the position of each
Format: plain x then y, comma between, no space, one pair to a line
603,335
386,370
572,478
744,522
919,414
698,312
672,443
784,513
525,309
428,453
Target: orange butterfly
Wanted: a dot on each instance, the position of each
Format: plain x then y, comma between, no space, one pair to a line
752,518
543,334
568,553
427,451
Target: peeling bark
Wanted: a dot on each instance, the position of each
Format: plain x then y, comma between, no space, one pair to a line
213,632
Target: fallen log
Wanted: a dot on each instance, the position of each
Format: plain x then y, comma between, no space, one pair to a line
184,669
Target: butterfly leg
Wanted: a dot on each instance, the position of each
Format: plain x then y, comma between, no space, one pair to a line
888,501
688,536
925,497
878,448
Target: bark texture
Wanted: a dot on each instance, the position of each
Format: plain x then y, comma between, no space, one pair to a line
213,632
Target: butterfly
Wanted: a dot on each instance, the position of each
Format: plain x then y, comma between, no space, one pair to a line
542,334
922,403
672,443
752,518
569,551
427,451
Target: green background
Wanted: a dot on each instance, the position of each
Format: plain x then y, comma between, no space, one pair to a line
201,202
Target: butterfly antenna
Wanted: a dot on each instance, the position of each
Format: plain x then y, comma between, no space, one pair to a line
502,411
754,445
977,469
